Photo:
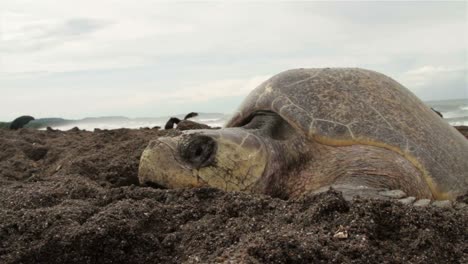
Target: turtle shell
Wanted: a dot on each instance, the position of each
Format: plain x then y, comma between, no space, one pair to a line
346,106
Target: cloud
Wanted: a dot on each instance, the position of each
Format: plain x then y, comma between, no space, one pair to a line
427,74
434,82
196,93
24,34
144,99
132,54
147,33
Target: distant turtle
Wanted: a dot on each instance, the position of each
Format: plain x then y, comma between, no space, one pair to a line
20,122
185,124
189,125
171,122
190,115
306,130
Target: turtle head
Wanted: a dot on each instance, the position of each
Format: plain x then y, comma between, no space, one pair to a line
232,159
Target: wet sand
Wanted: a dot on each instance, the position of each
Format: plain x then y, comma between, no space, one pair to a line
73,197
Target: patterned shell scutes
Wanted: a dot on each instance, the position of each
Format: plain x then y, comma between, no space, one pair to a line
345,106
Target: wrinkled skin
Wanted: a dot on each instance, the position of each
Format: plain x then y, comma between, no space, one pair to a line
266,155
233,159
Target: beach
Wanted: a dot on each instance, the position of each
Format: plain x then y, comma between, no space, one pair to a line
73,197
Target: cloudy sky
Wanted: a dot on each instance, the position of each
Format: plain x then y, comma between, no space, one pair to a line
75,59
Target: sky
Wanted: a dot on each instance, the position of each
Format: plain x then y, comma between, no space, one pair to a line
77,59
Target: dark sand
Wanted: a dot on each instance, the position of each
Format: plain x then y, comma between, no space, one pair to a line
73,197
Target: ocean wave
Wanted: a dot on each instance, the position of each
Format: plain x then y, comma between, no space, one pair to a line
90,126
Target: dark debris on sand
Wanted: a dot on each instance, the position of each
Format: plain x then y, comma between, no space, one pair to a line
72,197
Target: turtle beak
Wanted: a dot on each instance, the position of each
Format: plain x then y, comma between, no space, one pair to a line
230,160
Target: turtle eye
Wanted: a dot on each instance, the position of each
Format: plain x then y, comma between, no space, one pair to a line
258,120
254,123
270,124
253,120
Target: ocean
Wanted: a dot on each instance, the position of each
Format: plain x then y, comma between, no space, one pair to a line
211,119
454,111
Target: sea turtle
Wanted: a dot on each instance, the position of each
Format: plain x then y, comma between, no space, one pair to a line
171,122
20,122
306,130
185,124
190,115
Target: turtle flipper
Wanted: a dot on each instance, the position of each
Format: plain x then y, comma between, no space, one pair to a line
350,192
445,204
